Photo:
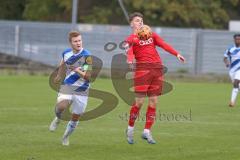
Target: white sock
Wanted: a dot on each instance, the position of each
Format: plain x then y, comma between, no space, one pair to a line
130,128
70,128
234,95
147,131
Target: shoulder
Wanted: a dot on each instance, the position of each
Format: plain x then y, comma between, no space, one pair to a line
66,51
230,47
155,35
87,55
132,39
86,52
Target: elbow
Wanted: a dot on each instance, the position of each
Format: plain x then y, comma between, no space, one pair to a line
224,59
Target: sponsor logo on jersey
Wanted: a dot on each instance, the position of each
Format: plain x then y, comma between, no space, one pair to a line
146,42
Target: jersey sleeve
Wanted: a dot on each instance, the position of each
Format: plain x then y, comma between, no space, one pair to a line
161,43
129,50
63,55
227,52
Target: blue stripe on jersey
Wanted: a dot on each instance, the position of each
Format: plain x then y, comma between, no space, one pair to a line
72,79
83,87
237,69
235,51
85,52
66,51
234,63
73,59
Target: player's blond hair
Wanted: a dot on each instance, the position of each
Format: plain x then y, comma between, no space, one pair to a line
73,34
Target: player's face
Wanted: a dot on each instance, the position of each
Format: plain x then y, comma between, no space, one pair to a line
76,43
136,23
237,41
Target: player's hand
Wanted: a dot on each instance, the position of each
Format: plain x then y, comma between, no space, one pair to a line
131,66
181,58
227,65
72,68
75,69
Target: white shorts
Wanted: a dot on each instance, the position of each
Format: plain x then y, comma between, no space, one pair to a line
235,75
78,102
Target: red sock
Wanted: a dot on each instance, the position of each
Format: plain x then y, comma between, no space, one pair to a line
150,117
134,112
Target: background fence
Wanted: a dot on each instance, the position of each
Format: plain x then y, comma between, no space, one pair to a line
44,42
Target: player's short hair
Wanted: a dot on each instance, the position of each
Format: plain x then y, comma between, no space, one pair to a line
73,34
236,35
135,14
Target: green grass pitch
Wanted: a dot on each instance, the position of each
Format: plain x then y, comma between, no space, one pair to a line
26,110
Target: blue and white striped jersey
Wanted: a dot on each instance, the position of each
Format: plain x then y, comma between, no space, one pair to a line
233,53
79,59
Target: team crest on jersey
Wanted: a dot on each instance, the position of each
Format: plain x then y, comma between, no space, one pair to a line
89,60
146,42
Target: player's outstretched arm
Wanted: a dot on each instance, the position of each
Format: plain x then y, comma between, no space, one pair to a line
129,53
130,58
61,72
161,43
181,58
129,50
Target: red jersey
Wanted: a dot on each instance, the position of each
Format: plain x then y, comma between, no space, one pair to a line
145,51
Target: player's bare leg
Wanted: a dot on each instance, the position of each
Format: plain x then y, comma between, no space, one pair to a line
134,113
72,124
235,91
150,118
60,107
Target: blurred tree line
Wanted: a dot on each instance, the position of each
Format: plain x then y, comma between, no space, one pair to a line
175,13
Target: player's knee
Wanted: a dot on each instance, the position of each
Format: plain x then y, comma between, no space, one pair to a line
139,103
58,112
152,101
236,83
62,105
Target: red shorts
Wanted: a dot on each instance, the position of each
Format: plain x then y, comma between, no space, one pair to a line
149,81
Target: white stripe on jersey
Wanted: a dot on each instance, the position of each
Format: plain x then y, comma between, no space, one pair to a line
233,53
